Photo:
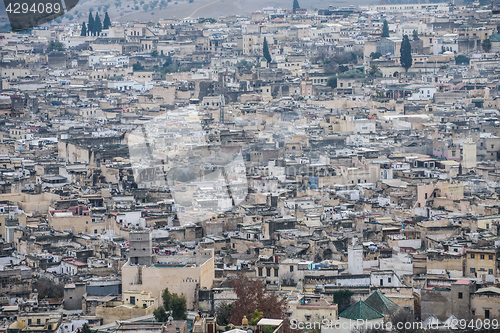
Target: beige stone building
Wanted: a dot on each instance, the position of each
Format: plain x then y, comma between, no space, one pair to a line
135,304
313,309
485,303
181,274
77,219
481,262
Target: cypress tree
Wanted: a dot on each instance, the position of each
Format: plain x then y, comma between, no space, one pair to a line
265,49
385,29
486,44
415,35
107,22
406,59
97,24
295,5
84,30
90,25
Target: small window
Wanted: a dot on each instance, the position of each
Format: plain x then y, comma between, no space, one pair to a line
291,268
268,271
460,295
473,270
486,314
490,257
481,256
472,256
490,271
275,272
260,271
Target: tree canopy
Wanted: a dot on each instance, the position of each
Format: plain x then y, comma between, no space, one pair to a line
107,22
56,46
415,35
252,297
85,329
343,299
486,45
405,58
295,5
265,50
385,29
375,55
462,60
332,82
223,312
90,25
97,25
173,305
84,30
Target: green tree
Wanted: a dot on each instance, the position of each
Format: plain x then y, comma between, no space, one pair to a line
462,60
97,24
90,25
160,314
209,20
406,59
343,69
172,303
265,49
85,329
84,30
166,296
137,67
179,307
223,312
332,82
374,70
385,29
343,299
415,35
107,22
486,45
255,317
244,64
56,46
375,55
295,5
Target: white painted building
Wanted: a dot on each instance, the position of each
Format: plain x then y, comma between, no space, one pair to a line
131,85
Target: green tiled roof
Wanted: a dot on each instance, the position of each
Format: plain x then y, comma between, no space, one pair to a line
361,310
495,38
381,303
